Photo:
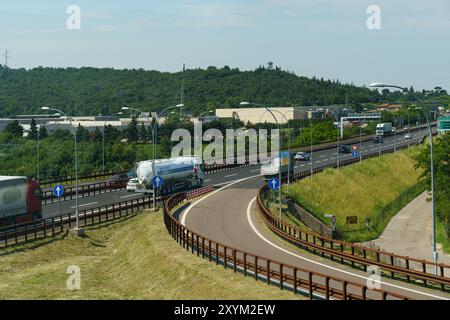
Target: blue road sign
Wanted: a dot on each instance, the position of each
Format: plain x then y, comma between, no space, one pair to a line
58,190
157,181
355,154
273,183
284,154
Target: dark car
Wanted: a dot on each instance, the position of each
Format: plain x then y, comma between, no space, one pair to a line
378,139
344,149
118,181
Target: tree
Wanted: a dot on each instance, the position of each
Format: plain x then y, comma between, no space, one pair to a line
132,131
43,132
33,130
82,133
14,129
143,133
441,151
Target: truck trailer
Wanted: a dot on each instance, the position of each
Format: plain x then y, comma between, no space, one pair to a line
272,168
384,129
178,173
20,200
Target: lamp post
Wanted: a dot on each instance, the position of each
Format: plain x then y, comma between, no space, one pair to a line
433,213
78,230
337,143
245,103
154,128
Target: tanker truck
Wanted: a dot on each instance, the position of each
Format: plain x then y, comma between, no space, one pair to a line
20,200
178,173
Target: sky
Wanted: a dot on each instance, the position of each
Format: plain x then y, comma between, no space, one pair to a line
322,38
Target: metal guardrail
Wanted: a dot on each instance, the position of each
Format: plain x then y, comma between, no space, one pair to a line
71,179
49,227
299,280
85,190
402,267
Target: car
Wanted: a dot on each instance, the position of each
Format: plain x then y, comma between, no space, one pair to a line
118,181
131,174
132,185
344,149
302,156
378,139
408,136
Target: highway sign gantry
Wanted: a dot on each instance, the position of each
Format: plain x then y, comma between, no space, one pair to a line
58,191
273,183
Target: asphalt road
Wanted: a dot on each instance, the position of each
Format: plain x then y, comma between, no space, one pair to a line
229,216
320,158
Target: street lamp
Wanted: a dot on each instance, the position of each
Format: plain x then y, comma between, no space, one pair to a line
337,143
154,128
434,251
246,103
78,230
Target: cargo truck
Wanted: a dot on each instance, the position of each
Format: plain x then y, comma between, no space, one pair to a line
178,173
20,200
384,129
271,169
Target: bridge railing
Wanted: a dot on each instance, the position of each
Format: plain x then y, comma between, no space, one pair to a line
299,280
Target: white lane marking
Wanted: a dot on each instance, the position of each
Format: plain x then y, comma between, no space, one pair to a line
130,195
185,212
207,180
231,175
323,156
324,265
255,170
83,205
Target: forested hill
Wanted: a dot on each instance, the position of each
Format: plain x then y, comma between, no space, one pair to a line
92,91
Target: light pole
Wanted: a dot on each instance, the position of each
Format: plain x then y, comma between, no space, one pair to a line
245,103
337,143
433,213
154,128
78,230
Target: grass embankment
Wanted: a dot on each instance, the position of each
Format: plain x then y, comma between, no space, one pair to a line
376,189
131,259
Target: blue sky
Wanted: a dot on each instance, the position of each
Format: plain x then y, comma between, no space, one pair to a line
323,38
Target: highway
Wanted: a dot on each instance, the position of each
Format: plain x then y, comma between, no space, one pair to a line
320,158
228,215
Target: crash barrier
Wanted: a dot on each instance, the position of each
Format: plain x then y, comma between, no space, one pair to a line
84,190
396,266
299,280
65,180
49,227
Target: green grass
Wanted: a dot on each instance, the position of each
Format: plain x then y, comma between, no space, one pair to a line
131,259
376,189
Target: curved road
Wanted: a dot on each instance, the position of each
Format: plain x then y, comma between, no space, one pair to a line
228,215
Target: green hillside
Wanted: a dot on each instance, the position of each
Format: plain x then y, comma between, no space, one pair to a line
90,91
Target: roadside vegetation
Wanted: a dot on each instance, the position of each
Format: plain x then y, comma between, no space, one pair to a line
373,191
441,152
130,259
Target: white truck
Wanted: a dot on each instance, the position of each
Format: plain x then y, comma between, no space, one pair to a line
384,129
177,173
271,169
